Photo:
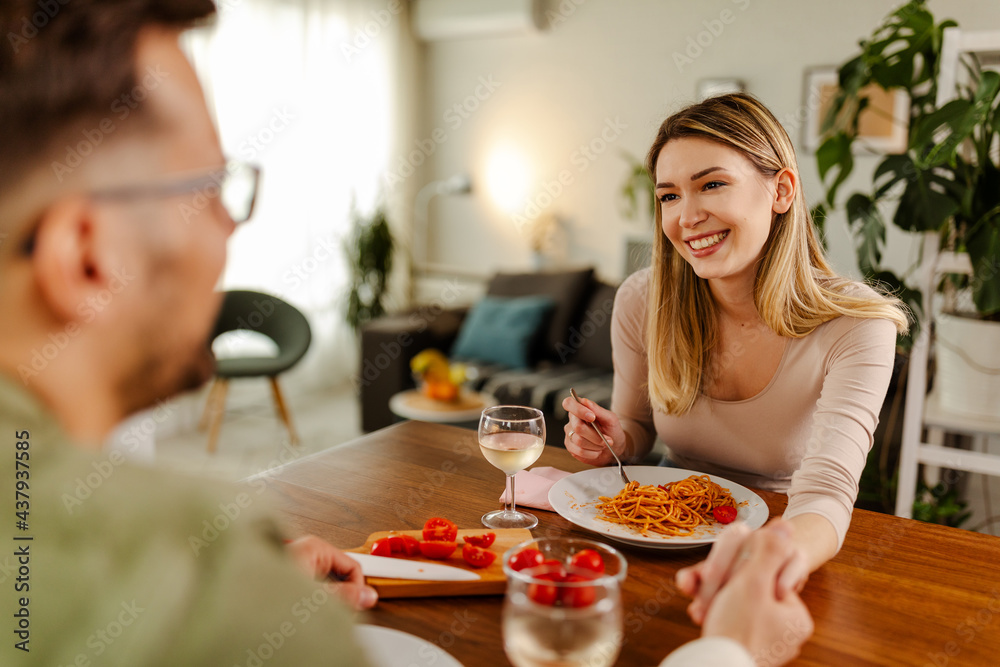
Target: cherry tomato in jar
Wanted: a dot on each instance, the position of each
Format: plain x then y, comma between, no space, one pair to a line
577,596
526,558
587,559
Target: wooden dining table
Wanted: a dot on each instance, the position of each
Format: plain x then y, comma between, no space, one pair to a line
900,592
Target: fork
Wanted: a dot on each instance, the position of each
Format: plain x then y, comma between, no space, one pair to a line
621,470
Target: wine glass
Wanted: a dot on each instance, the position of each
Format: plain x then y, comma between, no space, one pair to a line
511,438
574,618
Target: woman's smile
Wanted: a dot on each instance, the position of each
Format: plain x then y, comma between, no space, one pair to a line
705,244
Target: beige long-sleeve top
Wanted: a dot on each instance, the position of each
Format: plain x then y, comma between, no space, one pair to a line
807,433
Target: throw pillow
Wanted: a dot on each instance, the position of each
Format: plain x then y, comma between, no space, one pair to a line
590,339
567,289
501,330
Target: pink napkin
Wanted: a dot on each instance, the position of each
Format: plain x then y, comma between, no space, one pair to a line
531,487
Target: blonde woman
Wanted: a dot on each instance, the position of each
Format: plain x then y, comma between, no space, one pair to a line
741,347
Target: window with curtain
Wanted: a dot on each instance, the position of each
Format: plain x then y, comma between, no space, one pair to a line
305,89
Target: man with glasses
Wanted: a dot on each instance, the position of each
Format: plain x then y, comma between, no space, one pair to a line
113,230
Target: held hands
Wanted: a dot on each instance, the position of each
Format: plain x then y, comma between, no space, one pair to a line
320,559
582,442
751,607
704,580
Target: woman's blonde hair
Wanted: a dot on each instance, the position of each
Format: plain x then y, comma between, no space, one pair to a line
795,289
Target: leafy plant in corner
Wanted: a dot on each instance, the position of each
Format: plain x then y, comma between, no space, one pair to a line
940,505
369,254
946,181
637,190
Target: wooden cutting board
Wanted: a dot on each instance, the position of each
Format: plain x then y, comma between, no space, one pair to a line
492,580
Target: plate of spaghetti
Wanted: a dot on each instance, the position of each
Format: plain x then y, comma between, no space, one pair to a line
666,508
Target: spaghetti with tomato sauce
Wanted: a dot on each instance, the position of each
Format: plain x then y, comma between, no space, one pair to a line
673,509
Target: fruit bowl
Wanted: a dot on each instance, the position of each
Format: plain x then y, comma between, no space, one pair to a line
436,377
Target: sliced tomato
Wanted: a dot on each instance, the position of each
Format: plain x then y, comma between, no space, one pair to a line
484,540
526,558
382,547
577,596
588,559
724,514
411,545
477,556
438,529
437,549
396,544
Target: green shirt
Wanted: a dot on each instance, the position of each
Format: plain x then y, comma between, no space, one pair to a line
123,565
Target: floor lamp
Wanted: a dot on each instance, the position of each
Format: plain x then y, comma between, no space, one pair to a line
456,185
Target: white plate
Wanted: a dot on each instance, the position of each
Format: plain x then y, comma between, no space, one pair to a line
575,498
386,647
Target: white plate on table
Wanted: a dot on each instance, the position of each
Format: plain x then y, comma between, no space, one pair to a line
386,647
575,499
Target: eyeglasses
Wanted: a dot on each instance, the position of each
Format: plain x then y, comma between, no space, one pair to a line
234,185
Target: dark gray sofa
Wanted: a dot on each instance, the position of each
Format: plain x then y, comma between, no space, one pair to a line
573,349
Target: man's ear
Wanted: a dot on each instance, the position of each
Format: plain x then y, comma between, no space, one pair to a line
784,194
69,264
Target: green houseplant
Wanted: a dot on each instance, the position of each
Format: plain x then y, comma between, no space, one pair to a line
637,190
369,254
947,180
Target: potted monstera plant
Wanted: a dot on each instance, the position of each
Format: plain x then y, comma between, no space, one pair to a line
947,181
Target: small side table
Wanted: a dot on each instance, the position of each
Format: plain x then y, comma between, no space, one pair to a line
412,404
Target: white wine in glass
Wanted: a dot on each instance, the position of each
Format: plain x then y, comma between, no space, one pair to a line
511,438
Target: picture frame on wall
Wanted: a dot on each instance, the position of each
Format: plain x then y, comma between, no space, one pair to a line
882,127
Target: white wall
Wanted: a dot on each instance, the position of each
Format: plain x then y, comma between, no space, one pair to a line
614,60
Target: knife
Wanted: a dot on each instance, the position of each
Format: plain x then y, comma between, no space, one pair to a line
397,568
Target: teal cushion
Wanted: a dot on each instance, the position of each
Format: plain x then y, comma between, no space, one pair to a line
502,330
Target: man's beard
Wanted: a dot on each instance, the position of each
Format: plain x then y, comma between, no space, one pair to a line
161,376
